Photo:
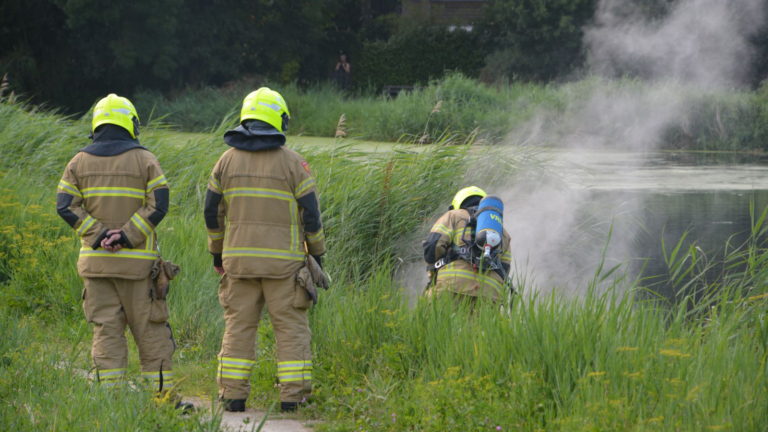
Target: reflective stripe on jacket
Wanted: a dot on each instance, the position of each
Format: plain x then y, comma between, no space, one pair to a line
260,209
459,276
127,192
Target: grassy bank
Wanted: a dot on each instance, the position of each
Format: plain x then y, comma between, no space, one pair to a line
603,362
675,116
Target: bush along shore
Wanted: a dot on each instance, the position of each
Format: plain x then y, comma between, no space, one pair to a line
676,117
604,361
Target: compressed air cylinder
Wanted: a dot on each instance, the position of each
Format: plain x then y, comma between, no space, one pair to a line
490,224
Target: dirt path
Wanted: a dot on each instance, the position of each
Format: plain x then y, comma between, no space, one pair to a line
250,419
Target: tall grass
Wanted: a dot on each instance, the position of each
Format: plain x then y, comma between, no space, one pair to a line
42,388
606,361
730,120
464,106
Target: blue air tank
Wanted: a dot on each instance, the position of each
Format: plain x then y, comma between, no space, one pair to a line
490,224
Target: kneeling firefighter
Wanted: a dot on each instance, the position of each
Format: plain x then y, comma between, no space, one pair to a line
114,195
269,251
468,250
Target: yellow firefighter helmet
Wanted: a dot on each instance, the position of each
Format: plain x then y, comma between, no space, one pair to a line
464,194
116,110
268,106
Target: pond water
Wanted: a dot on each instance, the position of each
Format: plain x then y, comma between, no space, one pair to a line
559,234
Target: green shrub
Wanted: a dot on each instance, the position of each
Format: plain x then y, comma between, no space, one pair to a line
418,54
535,39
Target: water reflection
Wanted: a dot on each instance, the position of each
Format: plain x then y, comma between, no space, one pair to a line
560,234
713,219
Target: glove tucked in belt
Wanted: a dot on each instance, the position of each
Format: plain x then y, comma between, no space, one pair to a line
163,273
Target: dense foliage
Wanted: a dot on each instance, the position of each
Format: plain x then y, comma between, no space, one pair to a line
71,52
535,39
418,53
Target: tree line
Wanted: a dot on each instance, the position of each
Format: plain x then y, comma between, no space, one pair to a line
70,52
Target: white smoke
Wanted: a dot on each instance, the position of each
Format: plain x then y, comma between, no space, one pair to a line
701,42
697,47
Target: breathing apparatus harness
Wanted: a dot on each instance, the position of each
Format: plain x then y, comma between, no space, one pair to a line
481,258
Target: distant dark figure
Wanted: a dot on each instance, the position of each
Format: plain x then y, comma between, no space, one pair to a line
343,72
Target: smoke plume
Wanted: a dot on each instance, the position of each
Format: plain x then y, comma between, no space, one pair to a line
699,42
699,46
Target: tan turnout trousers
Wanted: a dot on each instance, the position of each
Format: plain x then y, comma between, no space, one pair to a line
287,304
111,304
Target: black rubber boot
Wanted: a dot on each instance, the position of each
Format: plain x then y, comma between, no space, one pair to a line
185,407
234,405
289,406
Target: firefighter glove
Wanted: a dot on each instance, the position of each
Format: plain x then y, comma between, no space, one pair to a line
318,276
97,243
122,241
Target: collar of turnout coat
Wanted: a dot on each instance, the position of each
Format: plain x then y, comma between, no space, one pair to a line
110,140
254,136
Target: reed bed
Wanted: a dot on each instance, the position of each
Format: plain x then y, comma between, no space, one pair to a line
704,119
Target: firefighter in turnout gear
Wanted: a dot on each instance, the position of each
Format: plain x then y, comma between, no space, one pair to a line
261,212
114,194
448,256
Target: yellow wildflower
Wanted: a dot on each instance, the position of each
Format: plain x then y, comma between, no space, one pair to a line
673,353
694,393
453,371
595,374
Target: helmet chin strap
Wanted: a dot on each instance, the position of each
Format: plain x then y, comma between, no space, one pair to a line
285,121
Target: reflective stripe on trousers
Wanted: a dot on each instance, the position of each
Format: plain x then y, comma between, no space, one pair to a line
160,380
110,377
299,370
235,368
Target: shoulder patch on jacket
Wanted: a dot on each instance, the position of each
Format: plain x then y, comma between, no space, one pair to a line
306,167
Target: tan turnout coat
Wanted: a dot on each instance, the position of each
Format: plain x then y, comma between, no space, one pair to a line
114,192
264,233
